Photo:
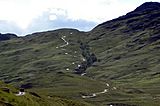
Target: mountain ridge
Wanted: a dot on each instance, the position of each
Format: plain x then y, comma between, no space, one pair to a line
7,36
150,6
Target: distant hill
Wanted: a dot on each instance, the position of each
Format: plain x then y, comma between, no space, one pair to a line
7,36
117,63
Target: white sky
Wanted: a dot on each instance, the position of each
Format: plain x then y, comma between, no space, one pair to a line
22,12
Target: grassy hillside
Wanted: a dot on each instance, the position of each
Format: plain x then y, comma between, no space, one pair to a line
32,98
129,45
35,62
67,64
128,48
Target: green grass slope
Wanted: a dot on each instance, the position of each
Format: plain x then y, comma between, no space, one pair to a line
32,99
35,62
128,48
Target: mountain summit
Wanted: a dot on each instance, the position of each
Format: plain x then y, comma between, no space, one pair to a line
143,17
149,6
150,10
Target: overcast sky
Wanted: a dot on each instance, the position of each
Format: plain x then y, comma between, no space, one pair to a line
28,16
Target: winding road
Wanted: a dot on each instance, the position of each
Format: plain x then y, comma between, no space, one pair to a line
83,96
98,93
63,38
95,94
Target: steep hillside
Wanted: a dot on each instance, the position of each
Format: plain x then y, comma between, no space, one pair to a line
117,63
128,46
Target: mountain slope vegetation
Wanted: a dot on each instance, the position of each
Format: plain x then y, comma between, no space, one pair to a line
120,56
9,97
